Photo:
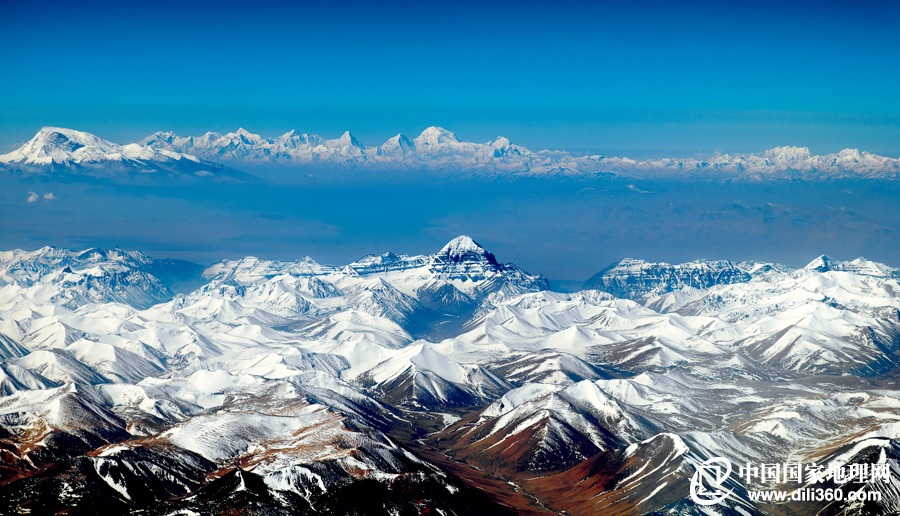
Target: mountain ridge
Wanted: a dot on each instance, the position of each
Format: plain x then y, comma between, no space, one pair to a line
60,149
436,149
277,385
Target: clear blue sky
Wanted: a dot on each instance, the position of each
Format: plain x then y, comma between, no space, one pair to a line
634,78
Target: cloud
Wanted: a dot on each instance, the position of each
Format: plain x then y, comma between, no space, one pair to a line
634,188
34,197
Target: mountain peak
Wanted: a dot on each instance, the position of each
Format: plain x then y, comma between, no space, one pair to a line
398,144
48,129
633,279
823,263
437,135
50,134
244,135
296,137
293,133
461,244
788,153
56,145
854,154
348,139
463,249
465,261
167,136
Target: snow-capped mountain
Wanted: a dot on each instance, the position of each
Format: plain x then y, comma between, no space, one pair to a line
434,149
242,145
73,279
56,148
399,288
778,162
635,279
450,381
438,148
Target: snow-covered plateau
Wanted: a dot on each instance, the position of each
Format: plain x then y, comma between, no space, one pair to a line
449,382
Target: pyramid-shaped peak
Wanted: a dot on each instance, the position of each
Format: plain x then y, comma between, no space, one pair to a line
464,249
823,263
400,138
349,139
462,244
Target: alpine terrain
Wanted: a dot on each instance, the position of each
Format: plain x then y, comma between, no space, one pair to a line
446,383
435,149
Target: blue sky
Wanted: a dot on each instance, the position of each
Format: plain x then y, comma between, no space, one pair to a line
642,79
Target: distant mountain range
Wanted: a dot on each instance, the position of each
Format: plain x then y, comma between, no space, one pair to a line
434,149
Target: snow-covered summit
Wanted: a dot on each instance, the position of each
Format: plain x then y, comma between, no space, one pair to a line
822,263
57,147
788,155
436,136
348,139
399,144
862,266
461,247
389,285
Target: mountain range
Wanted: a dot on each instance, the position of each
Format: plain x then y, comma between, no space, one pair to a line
58,149
448,382
435,149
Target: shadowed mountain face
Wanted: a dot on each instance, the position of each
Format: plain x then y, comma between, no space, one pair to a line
633,279
285,386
